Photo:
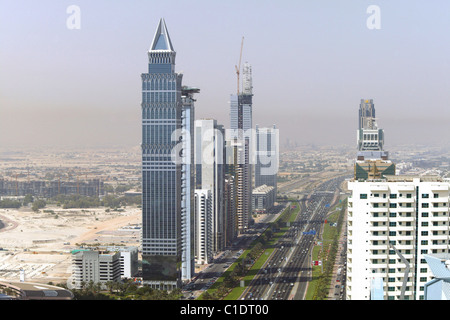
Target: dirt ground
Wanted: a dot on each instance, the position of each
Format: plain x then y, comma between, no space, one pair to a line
40,243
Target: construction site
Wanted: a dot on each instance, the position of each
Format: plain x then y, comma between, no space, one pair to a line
40,244
49,189
37,244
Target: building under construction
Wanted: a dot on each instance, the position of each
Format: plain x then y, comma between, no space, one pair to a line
49,189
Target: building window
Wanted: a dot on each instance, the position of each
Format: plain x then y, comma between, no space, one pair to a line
363,196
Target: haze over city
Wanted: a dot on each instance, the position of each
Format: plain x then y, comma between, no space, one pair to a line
312,63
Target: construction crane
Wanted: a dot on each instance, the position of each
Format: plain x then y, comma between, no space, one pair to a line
238,69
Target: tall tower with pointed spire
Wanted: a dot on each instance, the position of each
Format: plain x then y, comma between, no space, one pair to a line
161,176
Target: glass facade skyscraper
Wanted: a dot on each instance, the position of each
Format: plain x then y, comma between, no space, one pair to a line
267,150
241,124
161,176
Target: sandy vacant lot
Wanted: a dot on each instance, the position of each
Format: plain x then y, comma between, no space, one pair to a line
40,243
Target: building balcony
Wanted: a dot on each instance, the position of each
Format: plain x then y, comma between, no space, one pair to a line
378,237
438,209
379,200
400,237
440,199
403,218
439,218
379,210
379,265
439,187
379,228
380,187
379,219
403,188
402,228
439,228
379,257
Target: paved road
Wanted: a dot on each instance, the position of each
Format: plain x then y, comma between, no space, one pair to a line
287,272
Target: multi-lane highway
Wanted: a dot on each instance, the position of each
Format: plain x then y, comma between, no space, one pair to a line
286,273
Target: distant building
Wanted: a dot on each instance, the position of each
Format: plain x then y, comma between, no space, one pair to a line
366,114
369,137
371,160
263,198
96,266
50,189
267,157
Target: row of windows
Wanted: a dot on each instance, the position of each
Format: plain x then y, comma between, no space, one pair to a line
159,113
159,97
159,84
394,195
158,135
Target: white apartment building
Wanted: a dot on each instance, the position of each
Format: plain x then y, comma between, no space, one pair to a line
203,227
128,259
209,172
95,266
392,223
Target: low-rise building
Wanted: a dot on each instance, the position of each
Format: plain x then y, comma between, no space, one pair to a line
263,198
96,266
19,290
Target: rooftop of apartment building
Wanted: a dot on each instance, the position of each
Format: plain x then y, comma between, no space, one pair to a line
407,178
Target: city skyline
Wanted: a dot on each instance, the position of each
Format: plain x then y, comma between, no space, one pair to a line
313,62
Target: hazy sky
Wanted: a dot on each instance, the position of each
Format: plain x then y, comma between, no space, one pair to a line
312,63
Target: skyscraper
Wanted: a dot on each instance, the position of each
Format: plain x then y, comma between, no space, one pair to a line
241,125
187,182
366,114
210,174
370,138
267,150
161,176
372,160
